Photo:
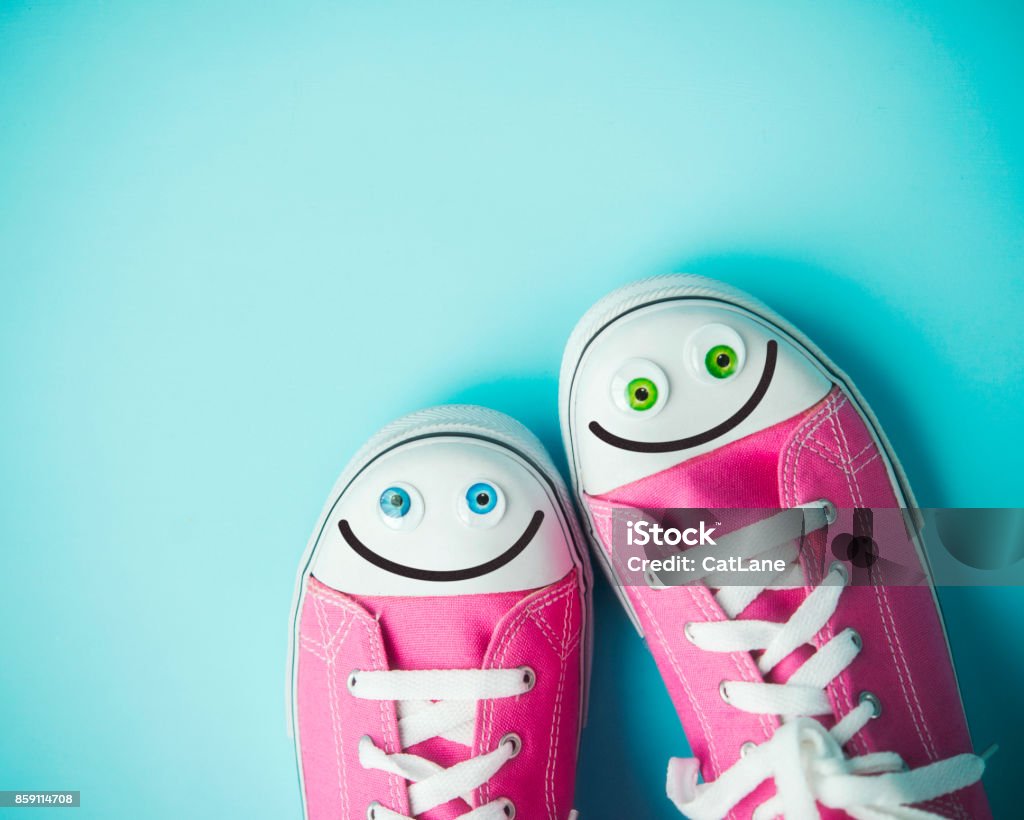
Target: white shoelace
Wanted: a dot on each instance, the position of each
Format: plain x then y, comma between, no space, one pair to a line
805,760
440,703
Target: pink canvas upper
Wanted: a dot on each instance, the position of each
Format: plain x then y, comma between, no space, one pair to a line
339,633
826,452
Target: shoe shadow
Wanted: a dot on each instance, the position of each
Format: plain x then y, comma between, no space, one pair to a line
984,633
632,728
981,622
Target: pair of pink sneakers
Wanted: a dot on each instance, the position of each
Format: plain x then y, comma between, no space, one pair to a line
441,637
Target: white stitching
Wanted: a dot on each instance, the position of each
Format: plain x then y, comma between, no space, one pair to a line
862,450
549,774
741,670
376,656
854,491
866,463
674,663
803,435
845,467
332,686
312,646
881,593
328,596
922,727
548,633
509,632
686,686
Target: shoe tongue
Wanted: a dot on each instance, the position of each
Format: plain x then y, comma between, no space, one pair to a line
439,632
743,476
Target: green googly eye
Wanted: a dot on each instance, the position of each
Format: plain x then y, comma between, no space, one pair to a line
721,361
641,394
640,386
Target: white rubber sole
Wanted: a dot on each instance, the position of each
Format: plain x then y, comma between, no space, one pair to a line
448,420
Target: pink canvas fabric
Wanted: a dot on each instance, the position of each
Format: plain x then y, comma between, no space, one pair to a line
825,452
338,633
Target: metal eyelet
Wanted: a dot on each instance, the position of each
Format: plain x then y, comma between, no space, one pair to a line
653,581
514,741
688,633
371,810
747,748
831,513
351,682
855,638
872,698
840,567
508,807
529,677
723,690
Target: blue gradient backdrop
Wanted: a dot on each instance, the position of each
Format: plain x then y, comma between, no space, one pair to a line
237,237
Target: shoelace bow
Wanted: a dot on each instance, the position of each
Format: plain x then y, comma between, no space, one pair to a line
440,703
805,759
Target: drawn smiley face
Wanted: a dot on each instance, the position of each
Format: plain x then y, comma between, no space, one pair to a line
444,516
674,380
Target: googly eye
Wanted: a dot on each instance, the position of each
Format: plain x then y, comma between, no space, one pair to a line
482,505
639,386
481,498
717,352
642,394
721,361
401,507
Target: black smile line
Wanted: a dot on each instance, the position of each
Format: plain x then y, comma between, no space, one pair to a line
707,435
368,554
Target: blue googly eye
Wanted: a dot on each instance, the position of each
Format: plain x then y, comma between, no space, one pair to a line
482,504
395,502
401,507
481,498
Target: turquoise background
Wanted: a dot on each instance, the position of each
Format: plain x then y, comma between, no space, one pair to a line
235,238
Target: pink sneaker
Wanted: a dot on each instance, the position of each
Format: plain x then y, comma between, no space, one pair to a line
438,655
802,694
